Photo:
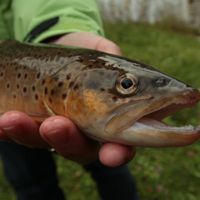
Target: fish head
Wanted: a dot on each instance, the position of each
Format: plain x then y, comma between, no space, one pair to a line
123,101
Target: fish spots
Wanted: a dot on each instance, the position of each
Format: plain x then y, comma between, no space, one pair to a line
38,75
102,89
19,75
52,92
33,88
35,94
1,74
45,90
18,86
24,89
36,97
64,96
43,81
50,99
25,76
90,66
68,76
8,85
14,96
60,84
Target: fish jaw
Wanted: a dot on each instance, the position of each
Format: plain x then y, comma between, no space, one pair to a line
149,131
152,133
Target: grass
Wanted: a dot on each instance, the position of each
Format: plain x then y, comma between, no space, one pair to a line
160,173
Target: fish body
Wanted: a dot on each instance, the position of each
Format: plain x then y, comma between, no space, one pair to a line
110,98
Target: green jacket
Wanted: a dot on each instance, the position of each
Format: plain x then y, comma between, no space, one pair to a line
37,20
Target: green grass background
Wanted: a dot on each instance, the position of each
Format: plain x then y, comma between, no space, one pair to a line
160,173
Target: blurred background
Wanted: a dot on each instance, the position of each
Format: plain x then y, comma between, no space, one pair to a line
165,34
186,12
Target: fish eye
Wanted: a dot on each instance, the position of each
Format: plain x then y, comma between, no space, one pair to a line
127,84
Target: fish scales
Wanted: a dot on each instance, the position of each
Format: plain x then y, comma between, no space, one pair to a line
110,98
32,78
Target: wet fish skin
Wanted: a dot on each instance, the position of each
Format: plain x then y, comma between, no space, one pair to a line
86,86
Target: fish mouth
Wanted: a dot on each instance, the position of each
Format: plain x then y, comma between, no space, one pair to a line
150,131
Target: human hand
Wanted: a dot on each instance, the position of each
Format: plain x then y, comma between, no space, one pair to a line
59,132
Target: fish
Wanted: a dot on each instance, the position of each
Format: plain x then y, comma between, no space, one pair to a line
110,98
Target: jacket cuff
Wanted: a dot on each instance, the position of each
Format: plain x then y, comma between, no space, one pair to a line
59,26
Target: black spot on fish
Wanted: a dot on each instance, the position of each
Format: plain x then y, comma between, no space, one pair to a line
38,75
25,76
90,66
64,96
46,91
60,84
36,96
50,100
14,96
1,74
8,85
102,89
52,92
18,75
43,81
33,88
24,89
80,59
17,86
68,76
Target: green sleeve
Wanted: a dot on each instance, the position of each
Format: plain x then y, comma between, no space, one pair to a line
72,15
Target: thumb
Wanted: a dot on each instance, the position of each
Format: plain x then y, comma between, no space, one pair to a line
108,46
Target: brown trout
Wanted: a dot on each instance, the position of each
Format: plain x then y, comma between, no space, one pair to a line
108,97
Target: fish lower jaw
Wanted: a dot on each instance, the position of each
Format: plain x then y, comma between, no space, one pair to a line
160,126
148,132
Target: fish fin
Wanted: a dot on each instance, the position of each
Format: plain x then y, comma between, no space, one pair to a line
49,110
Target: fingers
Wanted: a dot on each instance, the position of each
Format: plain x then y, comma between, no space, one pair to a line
90,41
20,128
107,46
114,155
61,134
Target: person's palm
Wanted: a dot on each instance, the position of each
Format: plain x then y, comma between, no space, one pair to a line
59,132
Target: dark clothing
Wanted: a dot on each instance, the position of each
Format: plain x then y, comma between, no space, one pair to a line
32,174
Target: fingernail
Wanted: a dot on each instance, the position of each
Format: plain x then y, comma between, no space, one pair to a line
8,118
